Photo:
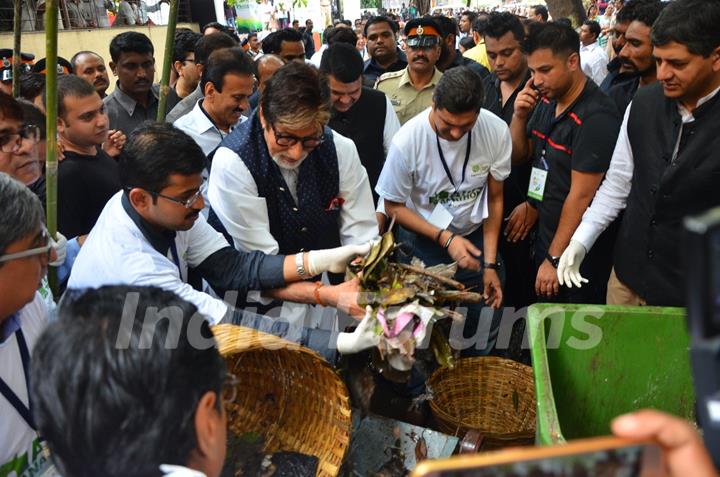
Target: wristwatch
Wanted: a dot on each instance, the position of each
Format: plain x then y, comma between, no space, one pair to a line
491,265
300,265
554,261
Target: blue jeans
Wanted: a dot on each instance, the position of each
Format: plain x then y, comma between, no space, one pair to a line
433,254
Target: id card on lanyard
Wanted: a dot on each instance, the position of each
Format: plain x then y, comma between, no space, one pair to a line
538,175
14,400
441,217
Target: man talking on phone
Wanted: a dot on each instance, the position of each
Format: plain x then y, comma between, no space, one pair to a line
567,127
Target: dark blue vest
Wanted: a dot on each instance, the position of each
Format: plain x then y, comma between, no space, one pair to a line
312,223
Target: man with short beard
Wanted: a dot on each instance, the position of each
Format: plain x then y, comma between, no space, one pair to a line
665,164
450,57
636,55
617,72
283,182
411,90
569,138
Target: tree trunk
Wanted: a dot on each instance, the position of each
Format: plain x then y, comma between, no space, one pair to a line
51,163
423,7
167,60
572,9
17,60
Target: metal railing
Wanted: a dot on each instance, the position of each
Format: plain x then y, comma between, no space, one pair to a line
90,14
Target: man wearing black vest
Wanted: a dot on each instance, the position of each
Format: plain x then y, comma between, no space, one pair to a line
668,162
569,137
283,180
362,114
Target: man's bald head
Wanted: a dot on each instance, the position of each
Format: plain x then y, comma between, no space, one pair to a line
265,67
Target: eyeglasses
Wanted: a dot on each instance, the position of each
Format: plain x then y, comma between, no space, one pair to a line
44,250
11,142
187,203
229,389
288,140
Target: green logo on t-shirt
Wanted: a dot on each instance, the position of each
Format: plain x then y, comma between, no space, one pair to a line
27,464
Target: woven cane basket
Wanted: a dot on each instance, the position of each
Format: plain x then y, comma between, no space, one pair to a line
494,396
288,394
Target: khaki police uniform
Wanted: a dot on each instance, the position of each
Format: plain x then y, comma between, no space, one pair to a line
407,101
398,87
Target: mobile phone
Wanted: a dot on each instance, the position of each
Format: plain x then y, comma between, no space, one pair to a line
606,456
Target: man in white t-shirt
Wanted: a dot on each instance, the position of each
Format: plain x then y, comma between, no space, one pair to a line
443,182
25,250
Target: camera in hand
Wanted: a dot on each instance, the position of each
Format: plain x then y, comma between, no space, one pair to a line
702,272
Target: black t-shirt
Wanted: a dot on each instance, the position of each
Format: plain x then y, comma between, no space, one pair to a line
85,184
622,93
516,186
581,139
372,71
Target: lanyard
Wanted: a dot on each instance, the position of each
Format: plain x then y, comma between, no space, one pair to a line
546,139
176,259
445,166
13,399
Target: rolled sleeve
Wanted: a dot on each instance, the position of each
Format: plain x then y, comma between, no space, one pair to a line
395,182
230,270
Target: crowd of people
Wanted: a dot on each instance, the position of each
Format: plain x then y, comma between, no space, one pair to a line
545,171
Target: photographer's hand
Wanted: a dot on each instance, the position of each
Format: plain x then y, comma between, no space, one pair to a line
685,453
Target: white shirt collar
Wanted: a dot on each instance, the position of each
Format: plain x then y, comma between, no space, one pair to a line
686,115
179,471
201,119
589,47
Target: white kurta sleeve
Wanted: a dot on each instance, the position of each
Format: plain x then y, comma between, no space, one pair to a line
357,214
612,195
234,198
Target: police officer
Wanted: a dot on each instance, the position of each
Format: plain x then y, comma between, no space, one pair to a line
410,90
6,67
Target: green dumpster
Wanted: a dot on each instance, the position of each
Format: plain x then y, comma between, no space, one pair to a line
592,363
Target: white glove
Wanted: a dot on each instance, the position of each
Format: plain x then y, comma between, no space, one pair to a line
362,338
60,247
568,270
335,260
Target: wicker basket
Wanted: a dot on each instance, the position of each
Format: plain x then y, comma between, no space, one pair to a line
494,396
288,394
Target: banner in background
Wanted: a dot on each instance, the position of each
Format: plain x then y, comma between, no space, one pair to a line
250,15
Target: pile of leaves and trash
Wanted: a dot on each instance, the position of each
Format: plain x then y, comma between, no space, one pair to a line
246,458
406,300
